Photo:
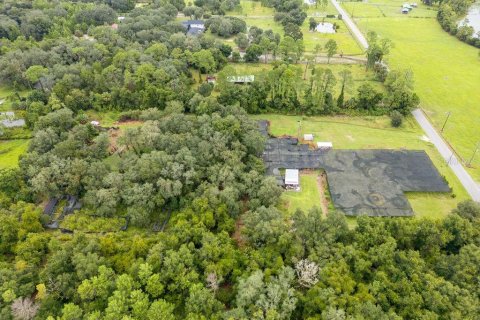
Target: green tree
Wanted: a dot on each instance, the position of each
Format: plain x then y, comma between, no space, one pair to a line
331,47
204,61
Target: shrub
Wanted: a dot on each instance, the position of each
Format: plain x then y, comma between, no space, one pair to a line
381,72
205,89
396,119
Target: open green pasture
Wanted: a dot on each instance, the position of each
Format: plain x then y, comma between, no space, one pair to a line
447,74
10,151
387,8
376,133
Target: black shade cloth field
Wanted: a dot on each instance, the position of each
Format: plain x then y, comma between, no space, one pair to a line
370,182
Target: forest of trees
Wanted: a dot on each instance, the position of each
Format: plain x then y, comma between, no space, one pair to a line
193,162
306,267
450,13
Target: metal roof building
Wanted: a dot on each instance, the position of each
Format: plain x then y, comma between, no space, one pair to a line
291,177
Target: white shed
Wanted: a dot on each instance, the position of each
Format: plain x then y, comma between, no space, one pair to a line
291,179
308,137
324,145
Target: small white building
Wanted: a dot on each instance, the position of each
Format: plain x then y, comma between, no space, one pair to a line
292,179
94,123
308,137
241,79
325,27
326,145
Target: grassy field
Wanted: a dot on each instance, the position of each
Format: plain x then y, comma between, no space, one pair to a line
306,198
10,150
346,43
376,133
447,71
387,8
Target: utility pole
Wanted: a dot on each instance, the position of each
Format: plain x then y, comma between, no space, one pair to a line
474,152
299,127
448,116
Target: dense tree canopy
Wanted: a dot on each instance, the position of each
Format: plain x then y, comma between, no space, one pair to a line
204,233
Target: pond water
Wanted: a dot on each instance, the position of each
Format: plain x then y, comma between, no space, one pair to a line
473,17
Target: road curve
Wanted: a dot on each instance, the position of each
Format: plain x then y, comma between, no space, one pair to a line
351,25
445,151
448,155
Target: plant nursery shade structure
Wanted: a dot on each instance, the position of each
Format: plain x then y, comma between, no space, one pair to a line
370,182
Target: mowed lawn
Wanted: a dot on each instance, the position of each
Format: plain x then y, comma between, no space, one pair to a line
376,133
447,71
10,151
305,199
345,42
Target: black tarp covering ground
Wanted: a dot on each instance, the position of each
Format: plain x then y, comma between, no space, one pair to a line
369,182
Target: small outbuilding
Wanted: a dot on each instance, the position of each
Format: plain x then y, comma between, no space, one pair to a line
324,145
211,79
292,180
325,27
308,137
241,79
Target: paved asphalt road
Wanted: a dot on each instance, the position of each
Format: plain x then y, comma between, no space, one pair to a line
351,25
467,181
